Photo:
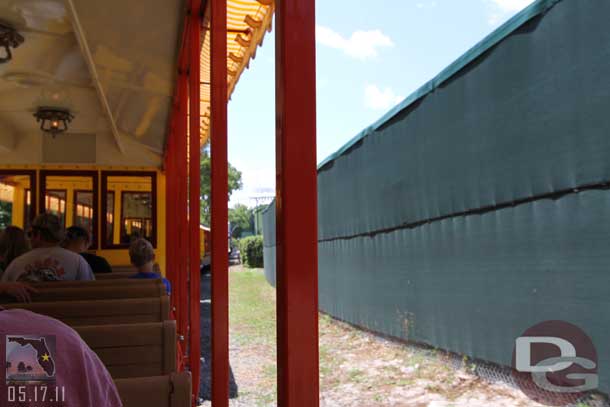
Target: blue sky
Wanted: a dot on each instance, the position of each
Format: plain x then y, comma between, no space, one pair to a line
370,56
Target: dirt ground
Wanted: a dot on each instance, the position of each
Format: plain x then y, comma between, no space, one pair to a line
357,368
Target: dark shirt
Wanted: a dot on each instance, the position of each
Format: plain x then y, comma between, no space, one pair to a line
98,264
168,287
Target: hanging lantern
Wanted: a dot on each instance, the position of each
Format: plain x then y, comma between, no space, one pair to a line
9,38
53,120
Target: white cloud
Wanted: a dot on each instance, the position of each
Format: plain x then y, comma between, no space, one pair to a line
360,45
494,19
378,99
501,10
258,182
512,5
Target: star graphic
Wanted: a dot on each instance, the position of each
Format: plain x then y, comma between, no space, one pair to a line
45,357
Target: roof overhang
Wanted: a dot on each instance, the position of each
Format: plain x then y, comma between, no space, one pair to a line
247,23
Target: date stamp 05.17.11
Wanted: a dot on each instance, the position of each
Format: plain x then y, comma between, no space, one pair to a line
31,371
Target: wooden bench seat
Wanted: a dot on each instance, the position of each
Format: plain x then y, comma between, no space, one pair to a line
102,312
97,283
133,350
122,269
115,275
54,292
160,391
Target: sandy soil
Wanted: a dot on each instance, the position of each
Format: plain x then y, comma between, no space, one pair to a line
358,368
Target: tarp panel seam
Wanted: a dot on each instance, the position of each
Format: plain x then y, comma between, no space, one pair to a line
477,211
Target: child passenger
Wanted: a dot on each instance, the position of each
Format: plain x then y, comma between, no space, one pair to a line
142,256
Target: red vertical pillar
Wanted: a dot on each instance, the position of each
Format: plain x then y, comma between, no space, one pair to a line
172,227
220,197
194,193
296,223
180,217
170,184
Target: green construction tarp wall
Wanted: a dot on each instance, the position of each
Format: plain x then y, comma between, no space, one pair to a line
479,206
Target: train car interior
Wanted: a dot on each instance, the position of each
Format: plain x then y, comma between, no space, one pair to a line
104,107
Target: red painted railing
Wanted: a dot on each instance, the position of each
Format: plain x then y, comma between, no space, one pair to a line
183,197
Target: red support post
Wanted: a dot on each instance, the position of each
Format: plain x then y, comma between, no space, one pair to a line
194,194
170,208
296,204
220,197
180,217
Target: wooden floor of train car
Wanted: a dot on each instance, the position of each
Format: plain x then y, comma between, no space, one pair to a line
127,323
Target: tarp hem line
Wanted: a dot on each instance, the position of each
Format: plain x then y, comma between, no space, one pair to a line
555,195
535,9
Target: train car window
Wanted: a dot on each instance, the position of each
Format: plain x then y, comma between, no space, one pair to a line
27,208
72,196
130,208
16,198
83,209
109,217
136,216
55,203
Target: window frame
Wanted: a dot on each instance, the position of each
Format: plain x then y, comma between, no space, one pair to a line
73,173
104,205
33,189
105,215
94,205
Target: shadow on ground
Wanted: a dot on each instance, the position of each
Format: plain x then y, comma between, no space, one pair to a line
205,385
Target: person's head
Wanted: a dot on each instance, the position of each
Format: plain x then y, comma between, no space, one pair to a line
13,243
46,231
142,254
77,239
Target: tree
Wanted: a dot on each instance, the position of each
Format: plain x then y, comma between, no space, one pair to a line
6,209
234,184
241,219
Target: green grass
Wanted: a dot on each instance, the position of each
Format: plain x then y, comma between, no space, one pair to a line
252,319
252,307
345,352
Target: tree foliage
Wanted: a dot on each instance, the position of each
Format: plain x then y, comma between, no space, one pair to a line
235,184
251,251
240,217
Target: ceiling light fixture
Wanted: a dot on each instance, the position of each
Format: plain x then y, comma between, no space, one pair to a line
9,38
53,120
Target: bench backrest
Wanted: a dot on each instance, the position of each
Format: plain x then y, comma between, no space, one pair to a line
96,283
125,268
102,312
161,391
104,292
133,350
114,275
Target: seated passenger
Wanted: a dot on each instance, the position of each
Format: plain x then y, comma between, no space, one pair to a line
13,243
78,241
19,291
47,261
73,374
142,255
